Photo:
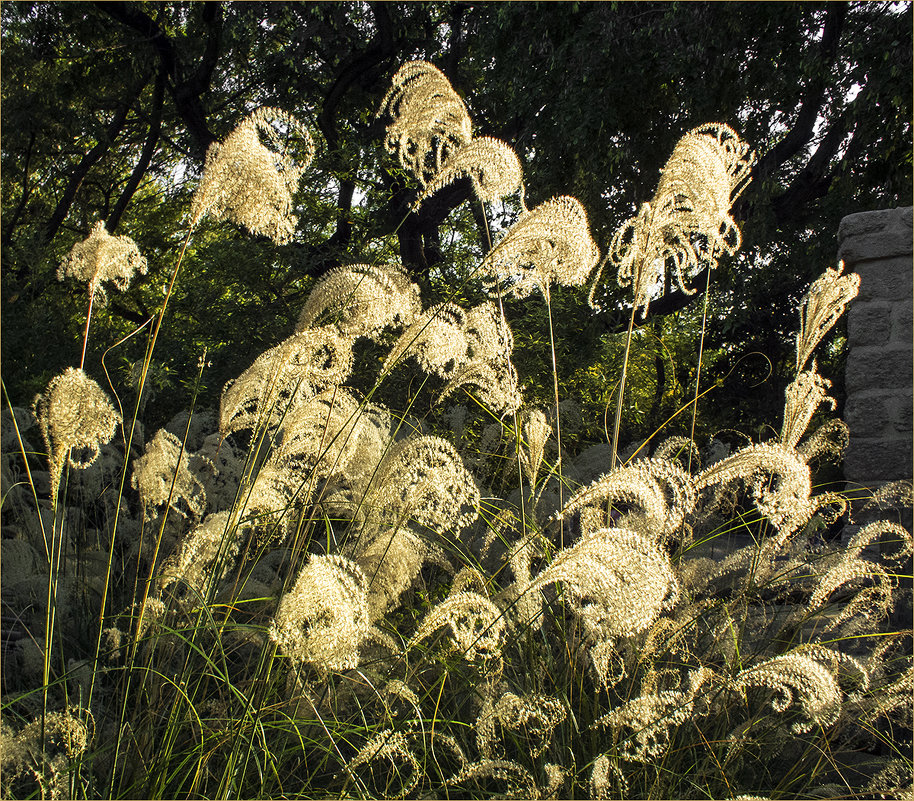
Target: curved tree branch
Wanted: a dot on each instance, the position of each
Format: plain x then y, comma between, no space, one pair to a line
88,161
149,147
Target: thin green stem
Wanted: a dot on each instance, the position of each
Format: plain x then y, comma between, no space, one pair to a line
701,350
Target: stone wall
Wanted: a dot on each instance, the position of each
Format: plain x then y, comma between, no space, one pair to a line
878,246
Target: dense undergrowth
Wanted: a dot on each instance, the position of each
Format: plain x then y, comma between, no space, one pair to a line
311,593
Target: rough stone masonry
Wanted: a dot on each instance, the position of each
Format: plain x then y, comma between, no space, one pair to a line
878,379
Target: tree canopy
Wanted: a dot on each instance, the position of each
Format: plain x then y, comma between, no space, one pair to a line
109,109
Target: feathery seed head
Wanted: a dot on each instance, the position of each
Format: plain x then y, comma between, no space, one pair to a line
362,300
476,624
423,479
688,221
247,182
657,495
391,562
621,581
549,244
804,396
76,418
801,680
324,619
821,307
468,348
778,478
212,546
491,165
429,120
392,747
536,430
305,363
103,258
162,475
649,719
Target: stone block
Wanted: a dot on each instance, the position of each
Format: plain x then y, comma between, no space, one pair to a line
889,279
873,367
902,315
869,414
869,323
869,461
902,413
875,235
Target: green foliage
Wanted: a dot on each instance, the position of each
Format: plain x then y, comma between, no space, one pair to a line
302,568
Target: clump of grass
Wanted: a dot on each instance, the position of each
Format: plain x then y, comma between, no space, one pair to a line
310,594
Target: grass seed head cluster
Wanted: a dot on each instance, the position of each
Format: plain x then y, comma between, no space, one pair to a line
313,593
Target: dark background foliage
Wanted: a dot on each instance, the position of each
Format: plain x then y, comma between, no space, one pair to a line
108,109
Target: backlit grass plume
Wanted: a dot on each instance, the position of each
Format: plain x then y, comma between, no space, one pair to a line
103,259
249,178
432,135
76,418
465,347
491,165
821,307
362,300
687,224
549,244
307,362
324,620
429,120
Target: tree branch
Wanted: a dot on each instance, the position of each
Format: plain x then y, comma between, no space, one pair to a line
149,146
87,162
803,127
185,92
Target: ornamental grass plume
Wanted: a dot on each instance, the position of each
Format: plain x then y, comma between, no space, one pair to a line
551,243
102,258
476,625
391,562
491,165
801,682
323,620
428,119
393,748
432,135
821,307
688,221
306,363
163,475
207,554
76,418
620,581
654,495
362,300
250,183
804,395
643,724
467,348
423,480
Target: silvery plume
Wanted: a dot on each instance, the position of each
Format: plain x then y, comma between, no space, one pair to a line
249,178
432,135
362,300
163,475
102,258
620,581
688,221
306,362
821,307
76,418
323,619
549,244
429,120
465,347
